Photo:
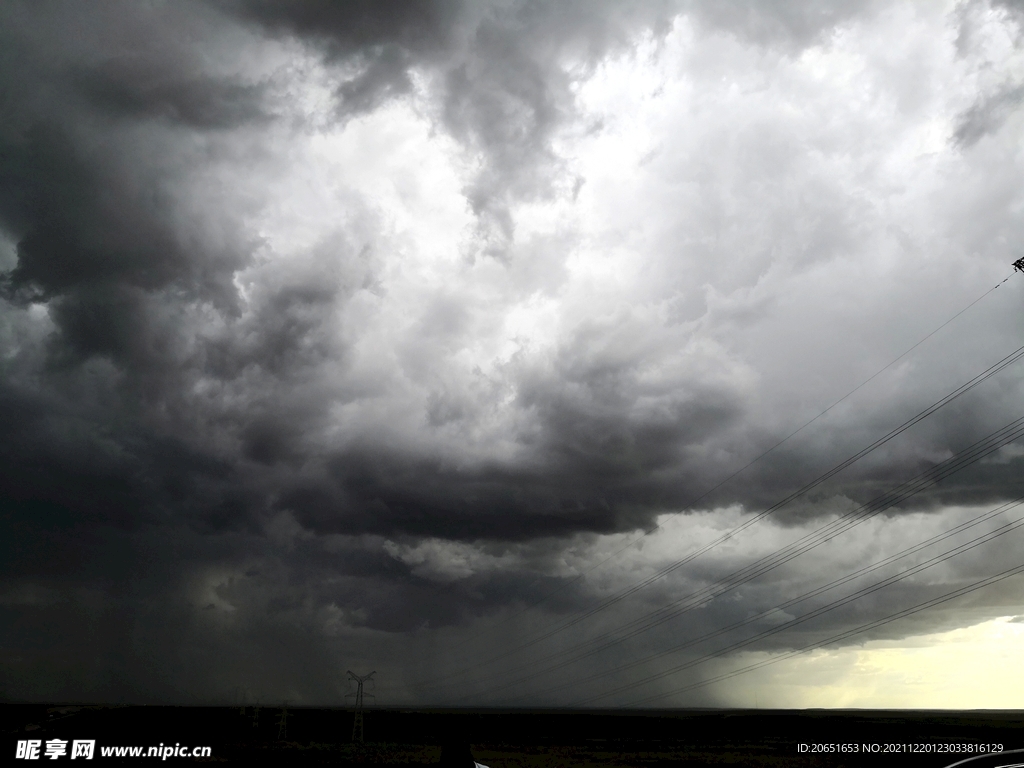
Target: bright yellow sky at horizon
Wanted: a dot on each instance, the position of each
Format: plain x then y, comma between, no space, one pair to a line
975,667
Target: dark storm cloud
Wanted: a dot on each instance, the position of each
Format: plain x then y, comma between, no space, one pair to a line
503,91
132,89
382,40
207,441
95,238
86,206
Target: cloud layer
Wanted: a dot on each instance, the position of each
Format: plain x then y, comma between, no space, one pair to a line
346,331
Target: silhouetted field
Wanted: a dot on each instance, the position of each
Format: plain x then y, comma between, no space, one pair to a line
526,738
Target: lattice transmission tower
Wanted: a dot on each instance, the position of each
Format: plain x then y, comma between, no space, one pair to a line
357,724
282,722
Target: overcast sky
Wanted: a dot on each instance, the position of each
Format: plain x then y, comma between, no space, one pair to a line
340,335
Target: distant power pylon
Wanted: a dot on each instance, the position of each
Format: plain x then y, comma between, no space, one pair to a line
282,722
357,724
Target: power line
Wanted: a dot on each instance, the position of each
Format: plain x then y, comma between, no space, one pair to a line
847,634
735,474
1006,361
970,455
603,644
992,370
832,529
815,613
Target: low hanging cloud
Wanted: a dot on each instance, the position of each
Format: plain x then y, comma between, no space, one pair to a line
331,327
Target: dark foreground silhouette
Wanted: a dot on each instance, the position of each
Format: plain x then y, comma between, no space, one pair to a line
523,738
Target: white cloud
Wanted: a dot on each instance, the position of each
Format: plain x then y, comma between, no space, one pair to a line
430,350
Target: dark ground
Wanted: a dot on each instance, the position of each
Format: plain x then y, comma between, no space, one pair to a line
522,738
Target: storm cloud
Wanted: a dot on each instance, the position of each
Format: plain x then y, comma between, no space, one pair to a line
351,330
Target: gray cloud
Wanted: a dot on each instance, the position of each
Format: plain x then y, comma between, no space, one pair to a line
330,327
792,25
988,116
